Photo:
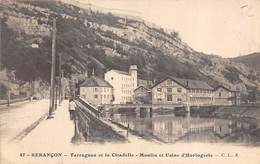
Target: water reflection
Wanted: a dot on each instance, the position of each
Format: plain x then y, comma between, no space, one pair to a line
172,128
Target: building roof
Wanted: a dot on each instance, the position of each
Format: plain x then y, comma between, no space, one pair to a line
95,81
121,72
142,87
192,84
221,86
188,83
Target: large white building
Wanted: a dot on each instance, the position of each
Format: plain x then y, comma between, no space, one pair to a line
124,84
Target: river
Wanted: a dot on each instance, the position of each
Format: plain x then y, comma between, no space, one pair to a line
172,128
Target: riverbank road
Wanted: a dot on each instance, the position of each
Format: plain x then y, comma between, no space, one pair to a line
19,118
49,134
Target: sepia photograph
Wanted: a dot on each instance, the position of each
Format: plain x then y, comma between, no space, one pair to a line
129,81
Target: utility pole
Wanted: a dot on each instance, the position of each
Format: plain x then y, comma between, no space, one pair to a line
52,90
62,86
0,44
9,77
56,91
60,76
8,92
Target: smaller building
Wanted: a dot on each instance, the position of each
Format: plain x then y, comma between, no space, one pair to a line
96,91
225,96
142,95
25,89
145,83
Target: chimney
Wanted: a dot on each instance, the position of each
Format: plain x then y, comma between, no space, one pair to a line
93,72
187,83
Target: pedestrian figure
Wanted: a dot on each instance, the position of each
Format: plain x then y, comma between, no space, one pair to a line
72,109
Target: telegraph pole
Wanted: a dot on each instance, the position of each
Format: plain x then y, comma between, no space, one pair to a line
60,74
8,92
56,91
0,44
52,90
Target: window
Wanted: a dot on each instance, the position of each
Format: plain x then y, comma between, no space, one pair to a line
169,82
179,90
179,99
219,94
169,97
159,99
96,89
159,89
95,96
169,90
105,97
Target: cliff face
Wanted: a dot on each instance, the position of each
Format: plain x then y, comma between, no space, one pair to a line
250,60
88,39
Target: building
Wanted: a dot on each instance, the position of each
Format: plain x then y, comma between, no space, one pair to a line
96,91
25,89
124,84
185,91
142,95
144,83
225,96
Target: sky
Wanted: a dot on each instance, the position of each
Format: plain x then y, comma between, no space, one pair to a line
227,28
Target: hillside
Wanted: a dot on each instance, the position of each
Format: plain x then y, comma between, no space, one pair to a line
251,60
88,39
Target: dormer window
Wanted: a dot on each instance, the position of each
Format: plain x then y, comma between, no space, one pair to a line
169,82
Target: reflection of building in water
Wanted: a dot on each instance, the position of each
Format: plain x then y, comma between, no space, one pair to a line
185,129
174,129
224,128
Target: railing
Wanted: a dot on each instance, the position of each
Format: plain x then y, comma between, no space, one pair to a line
5,102
142,105
89,127
93,109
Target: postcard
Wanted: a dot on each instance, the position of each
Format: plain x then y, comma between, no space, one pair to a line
129,81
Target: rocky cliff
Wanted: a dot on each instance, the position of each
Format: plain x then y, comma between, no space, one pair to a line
89,39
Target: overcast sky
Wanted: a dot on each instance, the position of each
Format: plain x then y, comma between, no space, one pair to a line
224,27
